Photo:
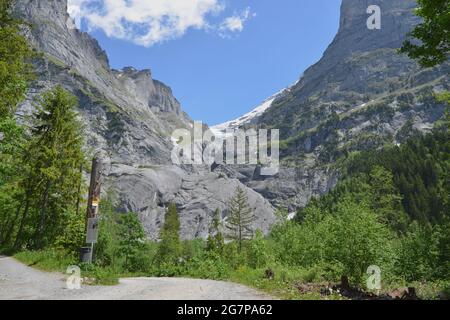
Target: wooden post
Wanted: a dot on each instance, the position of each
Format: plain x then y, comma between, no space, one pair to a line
93,204
94,189
79,190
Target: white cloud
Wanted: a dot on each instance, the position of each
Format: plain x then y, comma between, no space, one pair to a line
147,22
236,22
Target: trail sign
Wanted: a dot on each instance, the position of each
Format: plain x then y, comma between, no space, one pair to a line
92,230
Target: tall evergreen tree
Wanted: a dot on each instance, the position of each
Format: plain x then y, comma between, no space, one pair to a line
240,219
169,250
385,199
52,161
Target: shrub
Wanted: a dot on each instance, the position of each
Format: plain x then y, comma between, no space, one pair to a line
346,242
422,253
258,254
131,240
73,237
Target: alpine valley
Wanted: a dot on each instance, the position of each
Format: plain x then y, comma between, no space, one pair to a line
360,96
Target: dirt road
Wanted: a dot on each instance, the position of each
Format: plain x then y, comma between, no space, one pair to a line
19,282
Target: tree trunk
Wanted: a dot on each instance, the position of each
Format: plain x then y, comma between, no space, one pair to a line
8,234
39,233
22,224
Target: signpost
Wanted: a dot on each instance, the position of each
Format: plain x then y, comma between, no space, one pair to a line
92,220
92,230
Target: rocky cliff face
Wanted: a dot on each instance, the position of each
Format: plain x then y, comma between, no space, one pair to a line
361,95
128,118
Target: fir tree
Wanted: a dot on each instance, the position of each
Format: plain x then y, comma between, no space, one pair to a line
169,250
52,161
240,218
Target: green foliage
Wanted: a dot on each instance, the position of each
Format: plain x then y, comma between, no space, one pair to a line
15,71
131,239
122,244
59,260
208,266
40,176
170,249
403,191
444,97
51,164
11,145
47,260
424,252
258,254
385,199
240,218
418,169
432,33
346,241
107,248
74,234
216,241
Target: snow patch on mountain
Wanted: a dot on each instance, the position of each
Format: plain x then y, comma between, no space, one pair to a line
248,118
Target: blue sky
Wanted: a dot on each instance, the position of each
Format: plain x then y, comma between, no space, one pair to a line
225,57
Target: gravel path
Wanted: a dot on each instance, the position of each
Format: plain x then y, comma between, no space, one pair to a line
19,282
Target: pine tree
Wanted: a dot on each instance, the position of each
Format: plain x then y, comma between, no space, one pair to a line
169,250
240,219
52,161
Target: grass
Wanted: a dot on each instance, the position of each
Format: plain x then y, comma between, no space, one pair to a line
58,261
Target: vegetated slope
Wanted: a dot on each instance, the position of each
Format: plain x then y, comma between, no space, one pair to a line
416,174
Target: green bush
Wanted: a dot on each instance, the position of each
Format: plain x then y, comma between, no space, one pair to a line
257,252
131,241
423,253
345,243
74,235
210,266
